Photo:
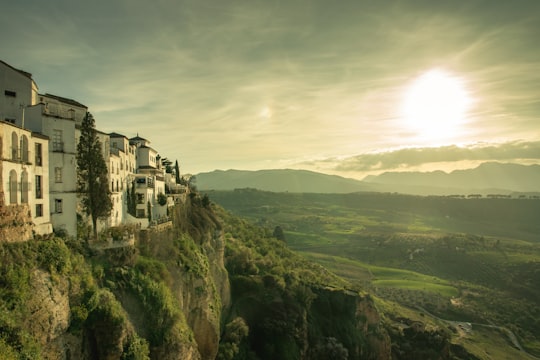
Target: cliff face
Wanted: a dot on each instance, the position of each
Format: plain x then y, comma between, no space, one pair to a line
204,294
50,315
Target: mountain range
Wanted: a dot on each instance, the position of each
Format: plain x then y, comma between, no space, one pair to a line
489,177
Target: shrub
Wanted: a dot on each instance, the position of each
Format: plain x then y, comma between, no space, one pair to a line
162,199
53,255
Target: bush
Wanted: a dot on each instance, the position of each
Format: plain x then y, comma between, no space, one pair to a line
162,199
53,255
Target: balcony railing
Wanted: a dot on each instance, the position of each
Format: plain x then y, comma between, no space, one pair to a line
58,146
18,154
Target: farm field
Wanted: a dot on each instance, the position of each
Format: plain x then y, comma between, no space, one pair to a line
470,260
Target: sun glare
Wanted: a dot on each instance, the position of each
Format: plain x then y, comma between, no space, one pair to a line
435,106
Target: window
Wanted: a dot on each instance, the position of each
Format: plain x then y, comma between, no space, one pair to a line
39,210
24,149
58,206
140,198
14,146
10,93
39,194
57,143
58,174
141,213
24,188
39,155
12,187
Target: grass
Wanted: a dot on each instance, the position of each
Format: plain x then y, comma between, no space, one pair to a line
359,272
443,290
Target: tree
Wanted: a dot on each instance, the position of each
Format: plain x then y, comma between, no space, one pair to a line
177,172
161,199
278,233
92,179
133,200
206,201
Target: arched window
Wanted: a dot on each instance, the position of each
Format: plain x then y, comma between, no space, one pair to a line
14,146
24,149
12,187
24,188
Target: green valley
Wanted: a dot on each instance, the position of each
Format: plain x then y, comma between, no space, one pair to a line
465,260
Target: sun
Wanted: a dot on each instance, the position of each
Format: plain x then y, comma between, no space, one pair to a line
435,106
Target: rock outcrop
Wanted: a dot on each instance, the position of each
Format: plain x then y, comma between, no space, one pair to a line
15,223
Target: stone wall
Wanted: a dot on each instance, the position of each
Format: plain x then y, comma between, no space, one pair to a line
15,223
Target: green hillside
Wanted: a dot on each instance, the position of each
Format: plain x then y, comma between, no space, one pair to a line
473,260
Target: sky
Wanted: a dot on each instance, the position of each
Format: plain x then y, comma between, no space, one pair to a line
312,84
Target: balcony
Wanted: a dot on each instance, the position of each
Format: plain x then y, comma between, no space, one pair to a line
58,146
20,155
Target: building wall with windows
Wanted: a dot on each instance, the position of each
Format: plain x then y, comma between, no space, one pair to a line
124,155
25,173
58,122
17,90
144,195
117,184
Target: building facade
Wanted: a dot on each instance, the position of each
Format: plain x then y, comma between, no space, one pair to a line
18,90
25,173
58,118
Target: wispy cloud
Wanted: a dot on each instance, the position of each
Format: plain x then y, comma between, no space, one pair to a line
407,158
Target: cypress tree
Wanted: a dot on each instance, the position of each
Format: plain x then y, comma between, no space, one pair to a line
177,172
92,179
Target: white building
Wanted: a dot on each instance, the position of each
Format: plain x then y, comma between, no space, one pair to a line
149,179
123,164
18,91
24,154
58,117
25,173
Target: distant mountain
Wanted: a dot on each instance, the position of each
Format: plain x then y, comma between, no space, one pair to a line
297,181
497,178
491,175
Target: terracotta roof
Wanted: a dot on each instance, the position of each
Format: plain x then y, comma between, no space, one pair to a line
27,74
66,100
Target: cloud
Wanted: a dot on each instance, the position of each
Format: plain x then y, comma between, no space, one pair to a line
413,157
